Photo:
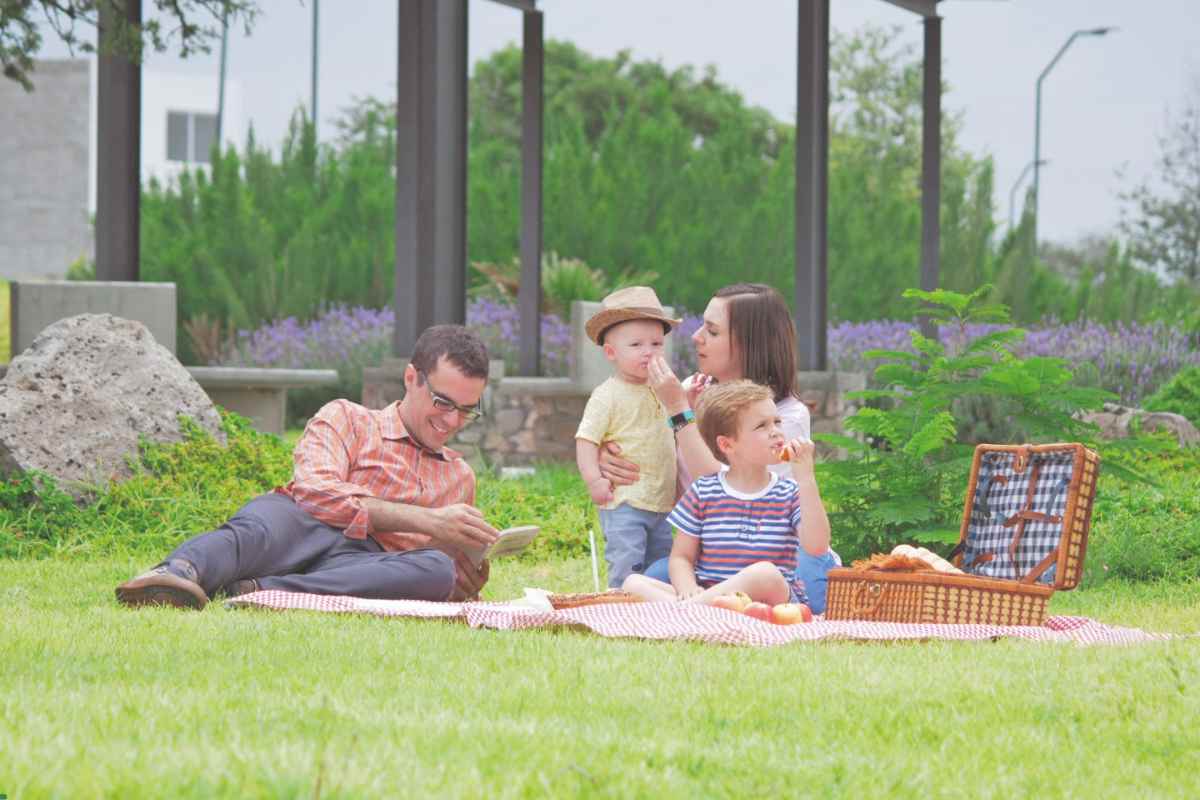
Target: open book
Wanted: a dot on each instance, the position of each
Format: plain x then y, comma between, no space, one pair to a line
509,542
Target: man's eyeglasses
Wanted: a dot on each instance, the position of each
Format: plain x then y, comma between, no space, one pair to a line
445,404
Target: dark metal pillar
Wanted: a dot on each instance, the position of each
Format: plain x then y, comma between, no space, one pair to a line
812,184
931,155
529,295
118,170
431,168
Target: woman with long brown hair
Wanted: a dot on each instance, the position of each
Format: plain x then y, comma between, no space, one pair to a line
747,333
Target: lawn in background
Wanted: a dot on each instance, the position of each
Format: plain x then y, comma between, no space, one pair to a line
99,700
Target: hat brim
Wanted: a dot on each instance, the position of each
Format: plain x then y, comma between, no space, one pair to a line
602,321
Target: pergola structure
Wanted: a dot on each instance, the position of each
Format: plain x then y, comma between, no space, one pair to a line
431,173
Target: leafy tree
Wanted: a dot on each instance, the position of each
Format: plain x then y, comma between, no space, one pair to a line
193,24
1162,214
875,178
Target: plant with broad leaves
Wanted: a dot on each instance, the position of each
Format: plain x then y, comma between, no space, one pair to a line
907,474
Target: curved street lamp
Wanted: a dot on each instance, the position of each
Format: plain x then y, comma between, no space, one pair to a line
1012,194
1037,124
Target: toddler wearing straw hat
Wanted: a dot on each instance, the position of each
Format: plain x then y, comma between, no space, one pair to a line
631,326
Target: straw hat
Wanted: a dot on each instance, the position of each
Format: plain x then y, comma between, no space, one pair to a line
632,302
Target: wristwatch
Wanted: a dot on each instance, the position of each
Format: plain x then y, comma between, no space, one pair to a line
682,419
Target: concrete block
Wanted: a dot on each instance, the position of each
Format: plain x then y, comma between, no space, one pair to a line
259,394
589,367
45,163
35,305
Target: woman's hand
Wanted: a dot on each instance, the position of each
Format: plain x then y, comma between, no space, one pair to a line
617,470
666,386
698,383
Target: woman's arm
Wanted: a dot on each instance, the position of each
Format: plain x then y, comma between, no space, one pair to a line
697,458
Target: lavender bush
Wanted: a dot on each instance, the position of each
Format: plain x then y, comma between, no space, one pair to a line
1130,360
499,324
348,339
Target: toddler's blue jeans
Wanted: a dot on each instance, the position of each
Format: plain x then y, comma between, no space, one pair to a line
633,538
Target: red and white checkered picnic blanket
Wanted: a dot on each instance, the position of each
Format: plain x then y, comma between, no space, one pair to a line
692,622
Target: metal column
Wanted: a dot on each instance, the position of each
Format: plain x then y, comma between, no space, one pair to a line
118,170
529,294
431,168
812,181
931,155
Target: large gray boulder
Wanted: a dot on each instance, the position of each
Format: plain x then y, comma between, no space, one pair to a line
1115,422
75,403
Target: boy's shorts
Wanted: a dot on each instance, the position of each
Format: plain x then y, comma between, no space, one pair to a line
633,539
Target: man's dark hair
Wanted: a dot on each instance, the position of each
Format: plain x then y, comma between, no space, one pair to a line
461,346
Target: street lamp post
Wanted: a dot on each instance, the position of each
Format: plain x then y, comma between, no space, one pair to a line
1012,194
1037,124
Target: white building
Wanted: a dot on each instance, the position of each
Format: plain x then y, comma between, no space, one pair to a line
48,155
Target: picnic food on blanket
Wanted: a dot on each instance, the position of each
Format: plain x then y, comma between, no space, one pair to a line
790,613
906,558
592,598
509,542
758,611
734,602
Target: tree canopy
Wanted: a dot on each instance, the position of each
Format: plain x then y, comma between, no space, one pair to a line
1162,213
191,26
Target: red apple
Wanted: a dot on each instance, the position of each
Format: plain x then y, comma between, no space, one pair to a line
728,601
758,611
790,613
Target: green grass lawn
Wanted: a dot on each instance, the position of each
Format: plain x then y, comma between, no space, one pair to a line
101,701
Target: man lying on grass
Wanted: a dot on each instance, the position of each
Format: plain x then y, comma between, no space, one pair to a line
378,506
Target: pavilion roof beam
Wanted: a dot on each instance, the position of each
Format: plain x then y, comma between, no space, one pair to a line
926,8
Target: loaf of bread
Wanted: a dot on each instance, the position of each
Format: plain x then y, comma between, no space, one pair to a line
906,558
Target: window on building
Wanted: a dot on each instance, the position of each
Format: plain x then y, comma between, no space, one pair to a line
190,136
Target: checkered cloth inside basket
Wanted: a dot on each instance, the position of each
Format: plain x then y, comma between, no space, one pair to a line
1002,492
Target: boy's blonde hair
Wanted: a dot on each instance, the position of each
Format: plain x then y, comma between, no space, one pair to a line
721,407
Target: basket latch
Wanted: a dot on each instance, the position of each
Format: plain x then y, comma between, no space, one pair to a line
868,606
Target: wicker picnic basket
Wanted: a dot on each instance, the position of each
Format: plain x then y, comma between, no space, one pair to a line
1024,534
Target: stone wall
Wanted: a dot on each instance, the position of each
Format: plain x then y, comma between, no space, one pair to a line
531,420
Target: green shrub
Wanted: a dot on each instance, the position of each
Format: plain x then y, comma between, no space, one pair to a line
554,498
182,489
908,482
1142,531
1180,395
177,490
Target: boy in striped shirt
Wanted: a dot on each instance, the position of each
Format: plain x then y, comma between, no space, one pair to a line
739,529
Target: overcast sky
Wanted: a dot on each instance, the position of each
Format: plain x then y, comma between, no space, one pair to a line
1103,104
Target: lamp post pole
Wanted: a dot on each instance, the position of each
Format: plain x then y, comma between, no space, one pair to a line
1012,194
1037,122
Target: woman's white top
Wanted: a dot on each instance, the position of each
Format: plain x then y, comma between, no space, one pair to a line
794,420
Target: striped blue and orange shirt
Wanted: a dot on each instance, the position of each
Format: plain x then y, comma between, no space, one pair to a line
737,529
